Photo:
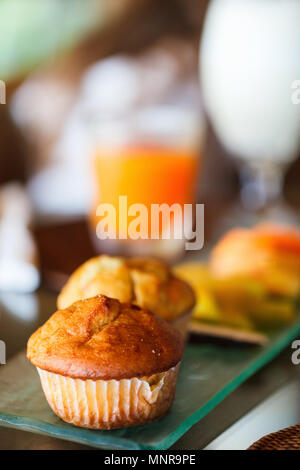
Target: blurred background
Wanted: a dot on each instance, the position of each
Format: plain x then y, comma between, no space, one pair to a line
169,101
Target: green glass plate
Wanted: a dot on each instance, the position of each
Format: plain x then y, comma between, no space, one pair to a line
208,374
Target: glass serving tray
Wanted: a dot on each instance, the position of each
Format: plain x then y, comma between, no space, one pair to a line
209,373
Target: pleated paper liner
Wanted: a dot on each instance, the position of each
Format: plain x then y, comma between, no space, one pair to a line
110,404
181,324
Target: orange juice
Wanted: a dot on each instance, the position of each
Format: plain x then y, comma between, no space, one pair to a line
146,174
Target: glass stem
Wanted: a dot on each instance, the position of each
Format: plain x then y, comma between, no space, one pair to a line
261,183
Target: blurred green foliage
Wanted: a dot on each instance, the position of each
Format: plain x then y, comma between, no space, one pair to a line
34,30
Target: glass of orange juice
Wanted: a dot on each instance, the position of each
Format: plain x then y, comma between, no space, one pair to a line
151,157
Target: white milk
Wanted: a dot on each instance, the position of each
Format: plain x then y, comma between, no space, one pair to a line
249,58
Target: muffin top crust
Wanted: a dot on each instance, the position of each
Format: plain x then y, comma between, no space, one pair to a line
101,338
145,282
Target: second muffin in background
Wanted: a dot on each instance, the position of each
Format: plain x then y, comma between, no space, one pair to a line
145,282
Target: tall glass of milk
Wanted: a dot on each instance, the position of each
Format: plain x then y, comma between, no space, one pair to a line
250,71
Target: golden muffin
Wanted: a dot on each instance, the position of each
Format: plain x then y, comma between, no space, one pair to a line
269,253
104,364
147,283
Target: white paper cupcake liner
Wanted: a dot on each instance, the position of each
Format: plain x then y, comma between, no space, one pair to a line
181,324
108,404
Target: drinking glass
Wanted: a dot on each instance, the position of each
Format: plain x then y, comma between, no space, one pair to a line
151,156
249,62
